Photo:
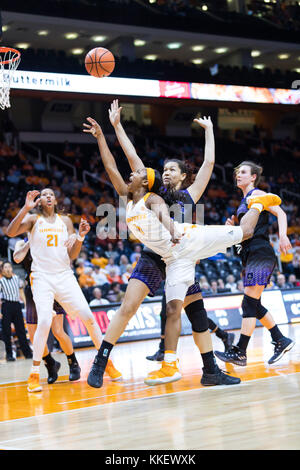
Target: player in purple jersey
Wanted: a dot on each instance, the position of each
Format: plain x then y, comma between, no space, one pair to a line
149,272
259,261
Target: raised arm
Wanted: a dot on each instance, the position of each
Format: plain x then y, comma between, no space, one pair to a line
203,176
108,159
23,222
115,118
20,251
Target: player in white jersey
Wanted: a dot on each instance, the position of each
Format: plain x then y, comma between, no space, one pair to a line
52,277
180,245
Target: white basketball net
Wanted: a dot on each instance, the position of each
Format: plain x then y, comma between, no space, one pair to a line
9,61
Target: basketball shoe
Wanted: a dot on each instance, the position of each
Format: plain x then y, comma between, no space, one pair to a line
52,368
113,373
282,346
234,355
267,200
158,356
33,383
168,372
218,378
74,371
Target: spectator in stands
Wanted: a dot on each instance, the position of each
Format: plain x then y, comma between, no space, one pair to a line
115,294
127,274
97,299
205,288
240,286
230,283
114,277
221,286
293,282
281,281
112,266
136,253
86,279
99,260
110,252
99,276
123,263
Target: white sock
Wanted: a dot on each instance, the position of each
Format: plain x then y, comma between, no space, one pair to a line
170,356
258,206
35,369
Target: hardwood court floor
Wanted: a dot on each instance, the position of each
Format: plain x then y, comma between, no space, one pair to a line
260,413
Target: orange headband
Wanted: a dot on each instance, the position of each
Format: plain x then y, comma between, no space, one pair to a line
150,177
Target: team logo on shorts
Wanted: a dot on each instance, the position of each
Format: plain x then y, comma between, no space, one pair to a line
250,276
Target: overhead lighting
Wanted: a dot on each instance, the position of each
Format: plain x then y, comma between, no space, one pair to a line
77,51
297,70
255,53
259,66
197,61
23,45
221,50
283,56
152,1
139,42
98,38
204,7
71,35
5,27
174,45
43,32
198,47
150,57
267,1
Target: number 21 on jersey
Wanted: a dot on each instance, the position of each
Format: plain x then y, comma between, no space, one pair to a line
52,240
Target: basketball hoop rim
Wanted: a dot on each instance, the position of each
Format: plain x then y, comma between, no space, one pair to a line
12,59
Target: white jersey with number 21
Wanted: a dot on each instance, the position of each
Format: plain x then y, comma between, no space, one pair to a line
46,240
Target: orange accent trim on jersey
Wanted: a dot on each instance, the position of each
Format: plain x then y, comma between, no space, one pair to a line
31,279
150,177
146,196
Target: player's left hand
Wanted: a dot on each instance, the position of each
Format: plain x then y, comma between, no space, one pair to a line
204,122
71,240
93,128
84,228
284,244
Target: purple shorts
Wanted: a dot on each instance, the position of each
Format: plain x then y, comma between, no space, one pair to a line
31,315
258,266
152,274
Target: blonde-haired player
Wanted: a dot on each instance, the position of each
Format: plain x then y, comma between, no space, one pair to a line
52,277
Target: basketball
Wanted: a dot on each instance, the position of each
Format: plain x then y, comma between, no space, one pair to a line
99,62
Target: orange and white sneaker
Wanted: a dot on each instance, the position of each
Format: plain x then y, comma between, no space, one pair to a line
267,200
33,383
168,372
112,371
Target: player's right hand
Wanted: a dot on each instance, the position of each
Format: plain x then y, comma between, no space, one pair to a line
115,113
31,202
230,221
93,128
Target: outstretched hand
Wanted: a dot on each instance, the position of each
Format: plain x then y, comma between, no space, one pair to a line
230,221
115,113
93,128
204,122
31,202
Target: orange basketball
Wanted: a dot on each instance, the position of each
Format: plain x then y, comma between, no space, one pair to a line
99,62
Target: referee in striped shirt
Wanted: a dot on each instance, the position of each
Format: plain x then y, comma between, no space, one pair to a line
12,312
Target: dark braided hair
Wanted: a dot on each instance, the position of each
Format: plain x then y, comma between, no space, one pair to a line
171,195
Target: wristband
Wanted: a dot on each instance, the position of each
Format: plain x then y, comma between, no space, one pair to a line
79,238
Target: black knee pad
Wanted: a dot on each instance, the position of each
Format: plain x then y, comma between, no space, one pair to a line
261,311
197,315
249,306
